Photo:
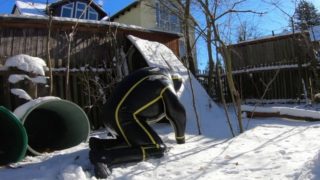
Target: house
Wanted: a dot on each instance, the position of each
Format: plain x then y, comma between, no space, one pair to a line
81,9
156,15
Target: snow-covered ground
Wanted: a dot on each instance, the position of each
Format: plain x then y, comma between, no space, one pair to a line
270,149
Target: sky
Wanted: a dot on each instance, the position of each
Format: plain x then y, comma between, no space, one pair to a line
272,21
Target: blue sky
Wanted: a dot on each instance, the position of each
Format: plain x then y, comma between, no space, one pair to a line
273,20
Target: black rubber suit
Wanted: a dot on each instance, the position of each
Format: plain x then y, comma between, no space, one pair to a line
147,95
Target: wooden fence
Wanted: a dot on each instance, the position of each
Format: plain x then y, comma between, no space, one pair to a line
256,84
285,49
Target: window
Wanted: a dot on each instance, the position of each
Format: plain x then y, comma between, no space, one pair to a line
67,10
81,10
92,14
182,48
166,19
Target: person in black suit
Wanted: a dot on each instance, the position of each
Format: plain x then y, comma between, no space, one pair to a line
147,95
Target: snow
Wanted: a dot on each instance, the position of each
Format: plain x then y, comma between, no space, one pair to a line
106,18
81,69
269,67
21,93
15,78
284,111
27,63
86,21
31,8
270,148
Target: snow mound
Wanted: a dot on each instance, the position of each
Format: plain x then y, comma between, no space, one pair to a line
27,63
21,93
212,119
15,78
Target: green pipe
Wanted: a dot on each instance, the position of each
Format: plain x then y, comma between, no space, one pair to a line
55,124
13,138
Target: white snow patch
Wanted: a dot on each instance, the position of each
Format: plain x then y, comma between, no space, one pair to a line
31,8
21,93
15,78
27,63
283,111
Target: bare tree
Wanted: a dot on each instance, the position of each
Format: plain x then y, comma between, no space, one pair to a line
48,52
70,37
304,16
213,12
247,31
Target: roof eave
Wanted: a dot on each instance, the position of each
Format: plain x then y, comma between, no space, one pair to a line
124,10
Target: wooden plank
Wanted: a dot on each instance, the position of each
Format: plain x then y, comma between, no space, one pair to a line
2,45
28,46
74,94
10,46
6,92
61,87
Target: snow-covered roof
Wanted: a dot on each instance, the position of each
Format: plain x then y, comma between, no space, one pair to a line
122,11
267,38
31,8
94,23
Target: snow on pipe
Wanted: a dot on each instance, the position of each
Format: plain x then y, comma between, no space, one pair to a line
13,138
53,124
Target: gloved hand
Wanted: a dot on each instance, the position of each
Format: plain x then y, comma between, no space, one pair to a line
101,170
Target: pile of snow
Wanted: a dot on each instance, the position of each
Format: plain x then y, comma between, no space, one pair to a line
20,93
27,63
211,116
15,78
295,112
